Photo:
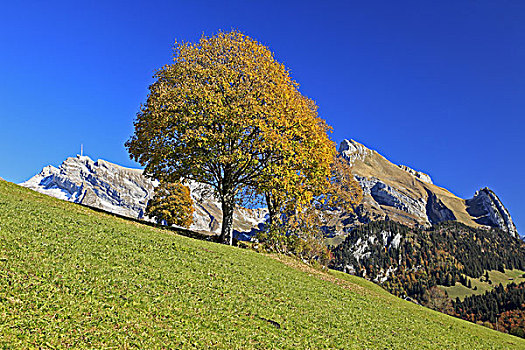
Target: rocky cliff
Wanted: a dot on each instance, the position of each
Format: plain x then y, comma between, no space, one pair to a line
126,191
486,209
402,194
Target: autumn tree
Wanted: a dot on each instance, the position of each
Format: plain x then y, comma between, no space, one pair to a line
296,228
344,192
227,114
171,203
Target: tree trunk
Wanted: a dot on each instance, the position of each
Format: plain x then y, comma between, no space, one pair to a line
228,206
271,207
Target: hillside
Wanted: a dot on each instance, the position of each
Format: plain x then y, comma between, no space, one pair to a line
409,261
73,277
481,285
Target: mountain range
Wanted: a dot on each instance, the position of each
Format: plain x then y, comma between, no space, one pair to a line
393,192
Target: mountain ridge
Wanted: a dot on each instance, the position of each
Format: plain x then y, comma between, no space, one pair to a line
390,191
125,191
399,193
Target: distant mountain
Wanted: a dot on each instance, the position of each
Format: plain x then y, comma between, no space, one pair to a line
407,196
393,192
126,191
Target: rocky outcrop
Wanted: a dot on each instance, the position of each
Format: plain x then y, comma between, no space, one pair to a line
436,211
487,209
353,151
386,195
98,183
418,174
126,191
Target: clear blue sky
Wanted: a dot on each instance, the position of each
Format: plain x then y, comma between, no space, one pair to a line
438,86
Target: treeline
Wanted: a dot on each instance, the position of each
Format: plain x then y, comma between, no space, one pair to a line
502,308
409,261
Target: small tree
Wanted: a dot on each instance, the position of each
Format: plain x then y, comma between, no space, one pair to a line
227,114
171,203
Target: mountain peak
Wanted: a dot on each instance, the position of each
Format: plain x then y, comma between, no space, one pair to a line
352,150
487,209
126,191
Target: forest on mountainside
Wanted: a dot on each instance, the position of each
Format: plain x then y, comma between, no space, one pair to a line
411,262
502,308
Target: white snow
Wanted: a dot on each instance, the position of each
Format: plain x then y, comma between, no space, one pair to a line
57,193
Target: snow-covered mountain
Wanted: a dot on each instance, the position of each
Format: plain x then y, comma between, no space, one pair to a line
126,191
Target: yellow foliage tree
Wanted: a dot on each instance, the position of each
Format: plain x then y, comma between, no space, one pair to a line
227,114
344,192
171,203
297,229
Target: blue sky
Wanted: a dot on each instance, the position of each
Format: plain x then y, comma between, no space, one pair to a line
438,86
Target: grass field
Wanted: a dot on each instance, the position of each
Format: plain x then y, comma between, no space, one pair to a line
71,277
496,277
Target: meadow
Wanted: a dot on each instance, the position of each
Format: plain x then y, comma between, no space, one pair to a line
481,285
72,277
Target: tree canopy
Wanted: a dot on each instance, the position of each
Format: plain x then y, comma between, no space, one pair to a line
227,114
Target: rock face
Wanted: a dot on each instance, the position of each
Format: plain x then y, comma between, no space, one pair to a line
399,193
353,151
436,211
386,195
126,191
99,184
487,209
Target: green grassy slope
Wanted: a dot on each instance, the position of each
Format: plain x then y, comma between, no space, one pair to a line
72,277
